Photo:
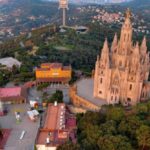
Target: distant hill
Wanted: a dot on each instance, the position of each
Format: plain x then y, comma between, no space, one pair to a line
93,1
138,4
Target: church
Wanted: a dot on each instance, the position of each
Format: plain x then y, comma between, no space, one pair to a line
122,71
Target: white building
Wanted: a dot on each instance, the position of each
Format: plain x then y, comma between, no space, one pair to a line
9,62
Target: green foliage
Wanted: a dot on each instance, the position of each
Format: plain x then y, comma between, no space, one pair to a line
113,128
129,125
115,113
108,127
68,146
109,142
42,86
143,136
142,108
57,96
5,76
35,147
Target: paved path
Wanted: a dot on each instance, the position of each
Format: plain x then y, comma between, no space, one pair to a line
33,94
31,128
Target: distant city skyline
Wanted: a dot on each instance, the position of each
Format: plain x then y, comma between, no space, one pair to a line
94,1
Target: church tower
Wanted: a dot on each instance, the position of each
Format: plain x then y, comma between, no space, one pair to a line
101,72
121,72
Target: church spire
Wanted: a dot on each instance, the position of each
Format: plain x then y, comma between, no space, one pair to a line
105,53
128,13
136,49
105,49
143,47
126,31
114,43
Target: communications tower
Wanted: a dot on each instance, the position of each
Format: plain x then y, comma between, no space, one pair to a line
63,4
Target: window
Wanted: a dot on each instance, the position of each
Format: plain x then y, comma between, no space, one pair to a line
100,92
129,99
125,37
115,98
130,88
120,63
111,98
101,80
128,37
143,94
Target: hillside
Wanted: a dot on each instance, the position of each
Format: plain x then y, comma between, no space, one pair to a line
138,4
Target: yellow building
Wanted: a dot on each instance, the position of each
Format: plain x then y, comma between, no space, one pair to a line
53,73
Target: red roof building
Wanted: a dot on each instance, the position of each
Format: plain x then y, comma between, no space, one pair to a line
13,95
59,126
4,137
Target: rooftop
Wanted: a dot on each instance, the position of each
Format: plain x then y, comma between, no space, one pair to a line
10,92
52,65
88,84
54,138
58,127
48,66
10,62
56,117
3,140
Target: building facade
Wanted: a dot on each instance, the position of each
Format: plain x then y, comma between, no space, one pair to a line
121,72
9,63
53,73
59,127
13,95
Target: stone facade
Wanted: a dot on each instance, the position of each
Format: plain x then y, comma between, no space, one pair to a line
121,72
80,101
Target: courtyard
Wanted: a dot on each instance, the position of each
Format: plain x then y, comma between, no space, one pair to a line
34,94
31,128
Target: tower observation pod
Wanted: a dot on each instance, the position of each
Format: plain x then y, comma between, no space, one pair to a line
63,4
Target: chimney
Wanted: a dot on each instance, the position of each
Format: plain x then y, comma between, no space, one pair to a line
55,103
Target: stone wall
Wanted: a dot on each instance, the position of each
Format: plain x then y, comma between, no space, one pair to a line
79,101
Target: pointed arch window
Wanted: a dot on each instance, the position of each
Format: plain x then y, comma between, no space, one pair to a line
130,87
101,80
111,98
120,63
128,37
100,92
125,37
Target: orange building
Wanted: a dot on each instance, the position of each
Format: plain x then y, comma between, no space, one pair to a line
53,73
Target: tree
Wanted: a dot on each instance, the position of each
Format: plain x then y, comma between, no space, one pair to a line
57,96
129,125
88,137
108,127
109,142
68,146
15,69
141,109
143,136
42,86
115,113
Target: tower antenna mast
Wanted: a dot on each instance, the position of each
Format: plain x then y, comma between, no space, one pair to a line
63,4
